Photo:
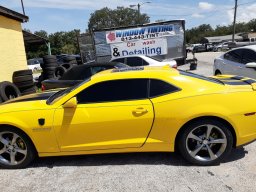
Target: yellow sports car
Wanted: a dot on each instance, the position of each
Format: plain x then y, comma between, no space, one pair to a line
142,109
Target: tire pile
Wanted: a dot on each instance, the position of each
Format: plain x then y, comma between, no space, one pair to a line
51,69
24,81
49,66
8,91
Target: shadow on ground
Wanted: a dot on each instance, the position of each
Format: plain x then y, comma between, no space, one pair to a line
172,159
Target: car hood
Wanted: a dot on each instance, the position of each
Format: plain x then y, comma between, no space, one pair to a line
24,103
237,82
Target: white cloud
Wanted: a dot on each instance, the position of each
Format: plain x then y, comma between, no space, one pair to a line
244,14
70,4
197,15
206,6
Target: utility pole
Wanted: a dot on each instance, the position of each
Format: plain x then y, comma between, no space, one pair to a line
23,7
234,23
139,13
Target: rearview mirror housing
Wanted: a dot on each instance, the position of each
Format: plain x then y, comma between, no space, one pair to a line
71,103
251,65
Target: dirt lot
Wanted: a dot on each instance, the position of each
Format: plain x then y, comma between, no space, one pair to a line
137,172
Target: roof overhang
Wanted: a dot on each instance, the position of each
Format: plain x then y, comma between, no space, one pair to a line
13,14
30,38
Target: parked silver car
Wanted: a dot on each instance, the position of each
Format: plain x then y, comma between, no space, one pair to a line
240,61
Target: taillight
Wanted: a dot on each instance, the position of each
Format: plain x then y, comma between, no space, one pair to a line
175,66
43,88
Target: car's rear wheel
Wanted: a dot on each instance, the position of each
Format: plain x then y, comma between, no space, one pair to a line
205,142
16,150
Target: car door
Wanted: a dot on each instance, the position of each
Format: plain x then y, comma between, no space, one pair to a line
109,115
231,62
248,57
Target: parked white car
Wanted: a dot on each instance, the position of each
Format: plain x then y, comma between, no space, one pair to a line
142,60
240,61
221,47
34,64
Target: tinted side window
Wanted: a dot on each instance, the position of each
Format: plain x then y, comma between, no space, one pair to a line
117,90
158,88
121,60
235,56
134,61
248,56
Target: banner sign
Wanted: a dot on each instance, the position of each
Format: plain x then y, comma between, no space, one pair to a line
141,33
149,47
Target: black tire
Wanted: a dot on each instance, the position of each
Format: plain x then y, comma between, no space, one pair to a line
59,71
49,65
30,90
69,58
49,59
188,144
22,78
217,72
22,142
49,69
8,91
25,84
66,66
22,73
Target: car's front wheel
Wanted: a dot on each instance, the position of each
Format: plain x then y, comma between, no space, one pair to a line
205,142
16,150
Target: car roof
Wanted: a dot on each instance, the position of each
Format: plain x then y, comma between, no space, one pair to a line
252,47
79,69
137,72
145,56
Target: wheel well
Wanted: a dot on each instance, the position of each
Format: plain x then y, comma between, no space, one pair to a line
217,72
18,129
229,126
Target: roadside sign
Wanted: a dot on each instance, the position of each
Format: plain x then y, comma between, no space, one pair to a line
150,47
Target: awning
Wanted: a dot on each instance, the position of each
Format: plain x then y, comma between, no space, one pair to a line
30,38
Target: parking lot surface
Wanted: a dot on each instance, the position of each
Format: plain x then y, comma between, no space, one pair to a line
137,171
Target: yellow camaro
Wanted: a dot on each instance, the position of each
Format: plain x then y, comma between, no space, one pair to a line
143,109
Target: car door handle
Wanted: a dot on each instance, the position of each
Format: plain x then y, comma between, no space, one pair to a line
140,110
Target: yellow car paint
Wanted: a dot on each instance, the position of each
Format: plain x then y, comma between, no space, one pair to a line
131,126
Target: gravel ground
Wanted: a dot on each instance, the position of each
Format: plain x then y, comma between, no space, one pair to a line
136,171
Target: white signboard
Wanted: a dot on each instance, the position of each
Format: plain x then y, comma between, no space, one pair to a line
141,33
149,47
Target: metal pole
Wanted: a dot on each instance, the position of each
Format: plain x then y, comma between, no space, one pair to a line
49,48
234,23
23,7
77,39
138,13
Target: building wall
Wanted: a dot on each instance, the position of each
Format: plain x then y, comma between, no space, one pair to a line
12,49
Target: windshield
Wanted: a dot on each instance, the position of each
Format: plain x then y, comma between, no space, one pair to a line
60,94
210,79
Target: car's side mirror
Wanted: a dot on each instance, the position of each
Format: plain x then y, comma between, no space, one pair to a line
251,65
71,103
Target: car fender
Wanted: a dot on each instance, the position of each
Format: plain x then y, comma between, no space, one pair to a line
37,134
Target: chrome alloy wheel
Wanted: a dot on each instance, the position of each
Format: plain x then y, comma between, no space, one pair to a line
13,149
206,142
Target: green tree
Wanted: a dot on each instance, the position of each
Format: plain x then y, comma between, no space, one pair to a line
106,18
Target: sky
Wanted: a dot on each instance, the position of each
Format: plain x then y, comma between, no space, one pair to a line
66,15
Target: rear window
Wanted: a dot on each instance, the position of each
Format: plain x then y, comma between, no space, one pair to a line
209,79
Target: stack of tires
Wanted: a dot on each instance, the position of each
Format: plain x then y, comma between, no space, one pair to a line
24,81
49,66
70,59
8,91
